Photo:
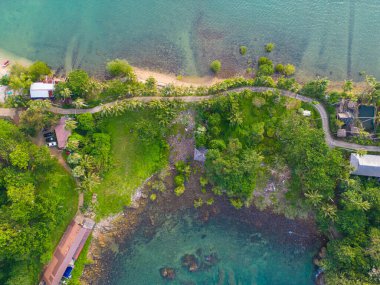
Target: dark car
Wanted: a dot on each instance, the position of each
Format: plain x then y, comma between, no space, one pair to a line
50,139
49,134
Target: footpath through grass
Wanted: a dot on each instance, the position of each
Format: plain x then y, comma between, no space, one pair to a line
133,160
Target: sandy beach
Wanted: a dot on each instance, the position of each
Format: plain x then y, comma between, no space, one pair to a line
4,55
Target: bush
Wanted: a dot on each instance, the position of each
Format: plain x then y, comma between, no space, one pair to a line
153,197
280,68
121,68
289,69
269,47
265,70
264,60
243,50
179,180
216,66
198,203
237,203
179,190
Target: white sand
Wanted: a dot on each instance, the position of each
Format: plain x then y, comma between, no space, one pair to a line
4,55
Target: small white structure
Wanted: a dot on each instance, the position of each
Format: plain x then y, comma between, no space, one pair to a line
306,113
366,165
40,90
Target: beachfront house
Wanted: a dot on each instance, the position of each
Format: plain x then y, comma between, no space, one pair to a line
365,165
40,90
67,251
62,133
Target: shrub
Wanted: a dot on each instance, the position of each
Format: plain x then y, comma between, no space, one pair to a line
179,190
237,203
210,201
198,203
243,50
216,66
121,68
289,69
269,47
179,180
280,68
153,197
266,70
264,60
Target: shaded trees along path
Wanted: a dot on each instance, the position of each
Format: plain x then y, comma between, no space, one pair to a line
188,99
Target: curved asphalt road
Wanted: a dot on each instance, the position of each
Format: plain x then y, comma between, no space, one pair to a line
321,110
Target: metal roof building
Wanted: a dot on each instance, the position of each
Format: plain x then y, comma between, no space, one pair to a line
366,165
40,90
68,250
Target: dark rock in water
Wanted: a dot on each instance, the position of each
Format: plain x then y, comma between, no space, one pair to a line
190,261
167,273
212,259
188,283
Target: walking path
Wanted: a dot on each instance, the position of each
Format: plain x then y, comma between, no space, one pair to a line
188,99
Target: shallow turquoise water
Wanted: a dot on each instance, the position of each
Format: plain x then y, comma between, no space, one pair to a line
247,255
325,37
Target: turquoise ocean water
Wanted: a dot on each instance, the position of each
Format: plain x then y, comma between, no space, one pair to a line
325,37
247,255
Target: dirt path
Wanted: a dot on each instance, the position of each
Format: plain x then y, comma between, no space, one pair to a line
188,99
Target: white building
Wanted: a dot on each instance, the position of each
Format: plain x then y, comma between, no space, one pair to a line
41,90
366,165
306,113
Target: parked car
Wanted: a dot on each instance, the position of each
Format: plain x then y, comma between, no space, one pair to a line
51,144
48,134
50,139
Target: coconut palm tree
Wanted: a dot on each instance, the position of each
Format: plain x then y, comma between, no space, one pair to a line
314,197
79,103
70,124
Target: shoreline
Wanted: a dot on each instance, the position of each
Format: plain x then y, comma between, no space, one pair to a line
118,231
167,78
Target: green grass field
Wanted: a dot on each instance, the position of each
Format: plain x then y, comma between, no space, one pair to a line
132,161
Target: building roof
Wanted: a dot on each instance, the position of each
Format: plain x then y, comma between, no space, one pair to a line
68,249
342,133
200,154
41,90
62,133
306,113
366,165
345,115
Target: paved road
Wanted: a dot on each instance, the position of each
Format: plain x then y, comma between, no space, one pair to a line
321,110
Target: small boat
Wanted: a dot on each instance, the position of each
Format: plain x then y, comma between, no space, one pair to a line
6,63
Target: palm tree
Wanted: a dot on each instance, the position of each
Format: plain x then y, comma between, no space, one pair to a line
70,124
79,103
65,93
329,211
87,162
314,197
90,181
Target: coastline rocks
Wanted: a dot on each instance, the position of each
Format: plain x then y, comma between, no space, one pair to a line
190,262
167,273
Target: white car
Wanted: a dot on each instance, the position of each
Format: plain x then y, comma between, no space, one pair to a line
51,144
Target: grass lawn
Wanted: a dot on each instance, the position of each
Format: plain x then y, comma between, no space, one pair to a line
132,161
